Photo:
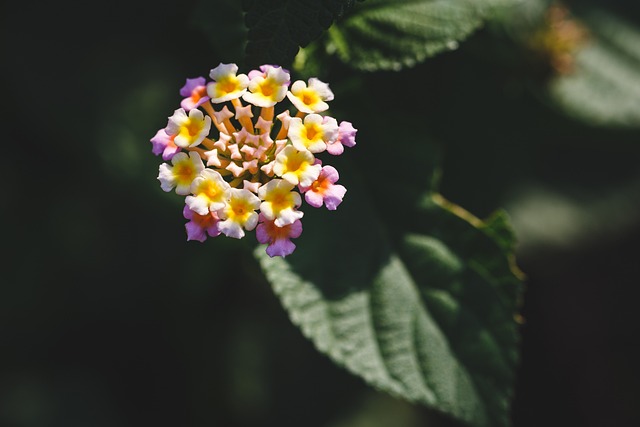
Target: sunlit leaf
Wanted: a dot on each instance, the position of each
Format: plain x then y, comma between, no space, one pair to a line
390,34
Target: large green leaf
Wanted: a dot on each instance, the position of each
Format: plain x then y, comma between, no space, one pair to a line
425,311
604,89
278,28
392,34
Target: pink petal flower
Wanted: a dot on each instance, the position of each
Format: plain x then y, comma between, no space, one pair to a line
163,144
324,190
200,226
195,93
278,238
346,138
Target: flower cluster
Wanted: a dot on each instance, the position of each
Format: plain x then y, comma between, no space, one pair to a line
240,165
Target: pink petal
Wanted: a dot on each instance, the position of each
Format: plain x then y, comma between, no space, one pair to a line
331,173
333,196
335,148
281,247
195,232
159,142
170,151
261,232
191,84
347,134
313,198
295,230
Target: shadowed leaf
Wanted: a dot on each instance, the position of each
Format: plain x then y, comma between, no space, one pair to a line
424,312
278,28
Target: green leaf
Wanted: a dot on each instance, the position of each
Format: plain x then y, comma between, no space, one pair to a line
604,89
278,28
424,311
391,34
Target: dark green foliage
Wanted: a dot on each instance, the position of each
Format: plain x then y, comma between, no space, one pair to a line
431,320
399,286
278,28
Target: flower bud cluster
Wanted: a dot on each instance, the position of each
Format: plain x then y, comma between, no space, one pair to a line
240,165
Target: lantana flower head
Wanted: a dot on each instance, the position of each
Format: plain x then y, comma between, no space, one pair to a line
242,166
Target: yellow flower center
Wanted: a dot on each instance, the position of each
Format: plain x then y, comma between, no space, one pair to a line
309,97
192,128
198,93
294,163
280,200
210,189
320,185
239,210
267,87
183,172
313,132
226,86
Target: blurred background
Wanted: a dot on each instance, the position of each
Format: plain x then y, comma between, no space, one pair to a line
111,318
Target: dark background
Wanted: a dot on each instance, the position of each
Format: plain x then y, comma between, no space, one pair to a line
110,318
